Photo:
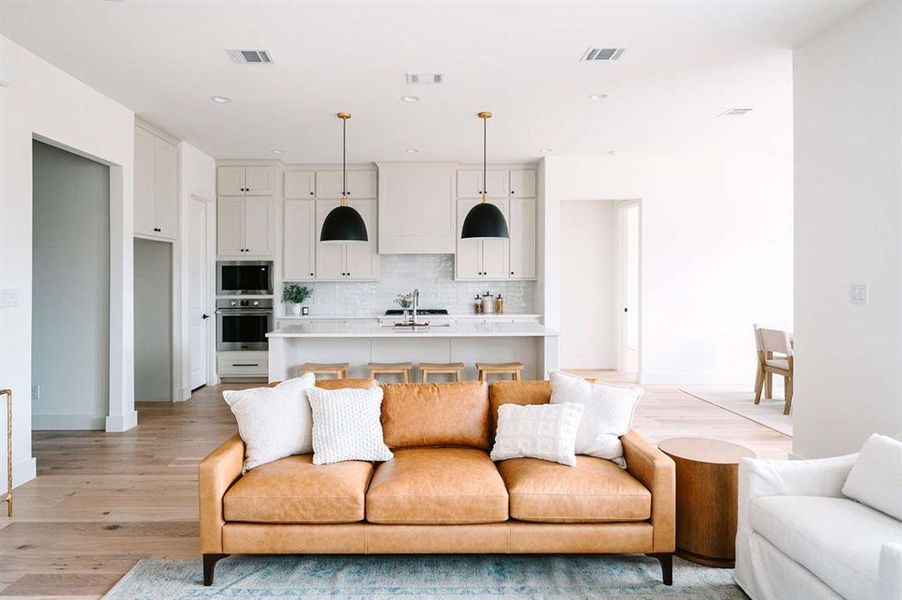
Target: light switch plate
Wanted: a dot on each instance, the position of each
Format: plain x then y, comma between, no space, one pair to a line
858,293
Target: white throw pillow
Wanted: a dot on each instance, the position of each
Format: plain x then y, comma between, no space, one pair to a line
608,413
347,425
273,422
876,478
542,431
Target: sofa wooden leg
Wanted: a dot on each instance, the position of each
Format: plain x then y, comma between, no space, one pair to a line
210,561
666,560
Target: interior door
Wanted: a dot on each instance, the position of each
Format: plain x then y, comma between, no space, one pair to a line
198,318
329,255
361,257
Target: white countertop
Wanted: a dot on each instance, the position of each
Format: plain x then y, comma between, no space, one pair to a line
314,329
390,317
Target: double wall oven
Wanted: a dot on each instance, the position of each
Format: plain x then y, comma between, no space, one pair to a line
244,318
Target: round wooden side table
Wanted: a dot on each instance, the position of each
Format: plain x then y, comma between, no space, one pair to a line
707,490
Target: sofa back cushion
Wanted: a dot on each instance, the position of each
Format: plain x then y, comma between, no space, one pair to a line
516,392
436,414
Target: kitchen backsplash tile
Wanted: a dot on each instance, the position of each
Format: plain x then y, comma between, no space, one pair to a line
432,274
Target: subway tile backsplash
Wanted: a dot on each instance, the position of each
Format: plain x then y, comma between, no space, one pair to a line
432,274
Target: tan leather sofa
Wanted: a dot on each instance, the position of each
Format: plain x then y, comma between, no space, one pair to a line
441,493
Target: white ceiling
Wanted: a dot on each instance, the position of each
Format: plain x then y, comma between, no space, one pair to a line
685,63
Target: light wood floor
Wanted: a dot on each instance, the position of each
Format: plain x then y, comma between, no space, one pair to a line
102,501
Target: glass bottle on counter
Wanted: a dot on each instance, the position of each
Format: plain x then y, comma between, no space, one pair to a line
499,305
477,306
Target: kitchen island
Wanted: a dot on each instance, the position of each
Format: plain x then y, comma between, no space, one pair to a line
359,342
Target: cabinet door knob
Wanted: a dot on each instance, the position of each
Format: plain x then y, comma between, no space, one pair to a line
512,192
512,272
311,193
311,274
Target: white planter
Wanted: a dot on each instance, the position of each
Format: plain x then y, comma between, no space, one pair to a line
296,310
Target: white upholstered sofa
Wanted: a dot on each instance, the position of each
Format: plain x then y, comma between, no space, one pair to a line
800,537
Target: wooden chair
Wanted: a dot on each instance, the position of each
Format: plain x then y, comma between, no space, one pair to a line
402,369
514,369
339,370
441,368
767,343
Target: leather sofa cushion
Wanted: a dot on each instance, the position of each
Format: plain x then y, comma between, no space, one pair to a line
593,491
436,414
836,539
294,490
436,486
516,392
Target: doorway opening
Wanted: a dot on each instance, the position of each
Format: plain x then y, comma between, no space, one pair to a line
600,290
153,321
70,348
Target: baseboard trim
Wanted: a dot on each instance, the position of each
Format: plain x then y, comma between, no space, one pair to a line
45,422
120,423
23,472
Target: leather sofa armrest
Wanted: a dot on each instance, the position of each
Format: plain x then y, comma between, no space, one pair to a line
657,472
216,473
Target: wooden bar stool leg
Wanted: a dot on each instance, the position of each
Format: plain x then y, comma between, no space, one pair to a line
406,375
457,374
517,375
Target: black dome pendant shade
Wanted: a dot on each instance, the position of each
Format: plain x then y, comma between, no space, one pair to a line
485,221
343,223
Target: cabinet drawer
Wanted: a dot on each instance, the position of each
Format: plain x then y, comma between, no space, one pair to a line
229,366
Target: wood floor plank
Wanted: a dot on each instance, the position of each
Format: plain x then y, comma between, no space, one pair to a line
101,501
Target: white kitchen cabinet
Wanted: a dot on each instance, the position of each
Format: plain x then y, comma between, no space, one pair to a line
523,183
241,181
481,259
522,226
469,183
156,186
299,255
361,184
347,261
244,226
300,184
417,208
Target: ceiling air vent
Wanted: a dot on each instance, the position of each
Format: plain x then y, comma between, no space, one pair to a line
593,54
425,78
735,112
249,57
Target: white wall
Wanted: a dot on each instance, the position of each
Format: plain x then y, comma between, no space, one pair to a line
716,253
153,320
589,333
70,290
848,165
41,100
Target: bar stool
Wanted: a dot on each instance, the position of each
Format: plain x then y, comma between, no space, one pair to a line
339,370
402,369
514,369
441,368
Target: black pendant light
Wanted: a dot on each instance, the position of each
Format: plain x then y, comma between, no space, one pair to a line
343,223
485,221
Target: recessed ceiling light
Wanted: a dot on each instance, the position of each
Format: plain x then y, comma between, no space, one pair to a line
598,96
545,150
412,150
612,152
220,99
410,98
735,112
276,151
425,78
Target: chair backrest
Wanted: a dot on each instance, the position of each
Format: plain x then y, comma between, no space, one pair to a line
775,340
759,345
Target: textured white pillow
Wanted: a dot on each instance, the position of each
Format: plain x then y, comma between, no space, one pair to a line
347,426
876,478
608,413
273,422
543,431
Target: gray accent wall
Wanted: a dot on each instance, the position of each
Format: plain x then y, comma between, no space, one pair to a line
70,290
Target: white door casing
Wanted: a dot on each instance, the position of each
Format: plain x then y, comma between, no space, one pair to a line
196,247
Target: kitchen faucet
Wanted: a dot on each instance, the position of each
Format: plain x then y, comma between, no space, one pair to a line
416,301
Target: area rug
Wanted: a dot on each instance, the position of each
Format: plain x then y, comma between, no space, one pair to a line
742,402
431,576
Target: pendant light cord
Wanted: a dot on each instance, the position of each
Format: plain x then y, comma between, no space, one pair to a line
344,160
485,183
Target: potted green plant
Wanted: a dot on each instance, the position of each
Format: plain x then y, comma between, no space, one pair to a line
295,294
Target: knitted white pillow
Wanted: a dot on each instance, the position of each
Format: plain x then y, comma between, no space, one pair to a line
347,426
542,431
608,413
273,422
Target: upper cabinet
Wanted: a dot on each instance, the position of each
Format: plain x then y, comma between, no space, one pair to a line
481,259
523,183
245,181
522,226
300,184
244,215
299,253
469,183
361,184
156,186
416,208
